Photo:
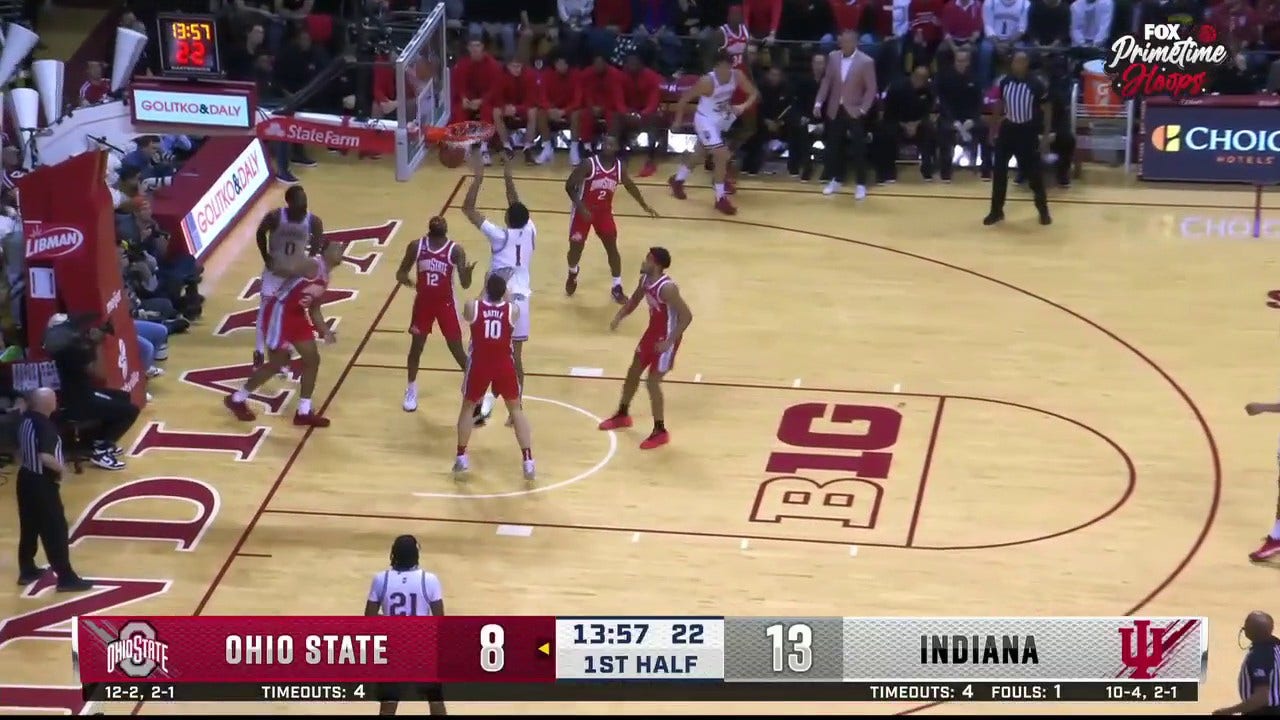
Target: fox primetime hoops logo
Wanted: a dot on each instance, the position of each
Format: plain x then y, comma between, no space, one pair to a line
1168,59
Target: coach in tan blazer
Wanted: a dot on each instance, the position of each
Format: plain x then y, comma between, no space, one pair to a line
844,98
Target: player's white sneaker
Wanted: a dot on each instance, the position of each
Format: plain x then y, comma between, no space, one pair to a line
546,155
831,188
485,157
575,157
486,406
528,470
461,464
410,399
860,192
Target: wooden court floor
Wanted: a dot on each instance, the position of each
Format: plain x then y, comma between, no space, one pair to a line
1058,413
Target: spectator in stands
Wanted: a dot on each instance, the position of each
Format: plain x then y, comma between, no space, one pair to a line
775,121
960,115
262,12
908,108
1049,25
537,27
925,31
559,92
845,97
294,13
690,20
295,66
896,21
1234,78
763,18
1005,23
13,246
809,21
847,15
177,275
74,346
1239,27
612,18
1091,27
962,29
575,19
250,61
808,124
655,31
517,101
96,85
599,101
497,19
641,97
1183,12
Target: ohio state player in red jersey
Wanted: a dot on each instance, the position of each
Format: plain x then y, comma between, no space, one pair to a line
435,257
293,318
591,186
492,365
669,317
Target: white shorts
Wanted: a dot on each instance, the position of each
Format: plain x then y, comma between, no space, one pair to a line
271,284
711,129
520,332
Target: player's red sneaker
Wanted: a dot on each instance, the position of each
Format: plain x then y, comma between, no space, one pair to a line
656,440
617,422
1270,547
726,207
239,409
677,187
619,296
310,420
571,284
650,167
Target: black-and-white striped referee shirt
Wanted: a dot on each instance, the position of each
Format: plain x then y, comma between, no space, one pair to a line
1261,669
1022,98
37,434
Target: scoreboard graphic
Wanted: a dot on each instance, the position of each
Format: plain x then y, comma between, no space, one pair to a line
567,659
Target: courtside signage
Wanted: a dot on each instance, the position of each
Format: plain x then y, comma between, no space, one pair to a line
224,200
1204,143
191,108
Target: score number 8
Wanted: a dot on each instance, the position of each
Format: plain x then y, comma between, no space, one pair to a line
800,638
492,655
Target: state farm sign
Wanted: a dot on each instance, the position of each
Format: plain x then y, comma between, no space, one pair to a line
191,108
54,242
334,132
224,200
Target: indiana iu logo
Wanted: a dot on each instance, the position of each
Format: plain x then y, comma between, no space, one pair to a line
1142,649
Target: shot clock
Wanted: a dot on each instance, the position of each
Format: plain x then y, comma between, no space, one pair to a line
189,46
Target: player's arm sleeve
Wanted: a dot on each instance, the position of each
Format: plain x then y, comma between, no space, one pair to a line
377,589
435,593
496,235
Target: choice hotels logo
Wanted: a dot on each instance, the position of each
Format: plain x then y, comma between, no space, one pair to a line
1258,146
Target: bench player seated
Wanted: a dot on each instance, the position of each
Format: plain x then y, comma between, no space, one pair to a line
641,96
599,102
517,98
559,97
470,81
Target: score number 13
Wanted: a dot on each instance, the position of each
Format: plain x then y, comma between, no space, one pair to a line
799,638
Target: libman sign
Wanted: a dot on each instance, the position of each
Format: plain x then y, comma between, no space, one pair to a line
226,197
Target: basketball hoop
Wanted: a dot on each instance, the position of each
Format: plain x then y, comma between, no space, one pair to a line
460,135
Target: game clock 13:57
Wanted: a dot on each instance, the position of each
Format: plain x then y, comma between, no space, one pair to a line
638,632
189,46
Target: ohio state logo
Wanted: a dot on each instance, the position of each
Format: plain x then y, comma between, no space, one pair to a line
54,242
1169,59
137,652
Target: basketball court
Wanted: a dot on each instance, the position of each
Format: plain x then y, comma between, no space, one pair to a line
881,408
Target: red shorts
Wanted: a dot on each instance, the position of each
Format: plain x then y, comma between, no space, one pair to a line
580,225
429,311
285,330
659,362
500,375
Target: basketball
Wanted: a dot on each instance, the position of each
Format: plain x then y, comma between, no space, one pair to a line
452,157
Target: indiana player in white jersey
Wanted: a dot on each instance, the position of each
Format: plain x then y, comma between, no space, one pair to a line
512,248
404,589
711,120
283,234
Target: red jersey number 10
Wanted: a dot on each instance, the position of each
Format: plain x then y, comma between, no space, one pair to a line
493,331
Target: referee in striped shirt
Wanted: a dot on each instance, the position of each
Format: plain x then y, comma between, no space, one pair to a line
1260,672
40,513
1024,134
